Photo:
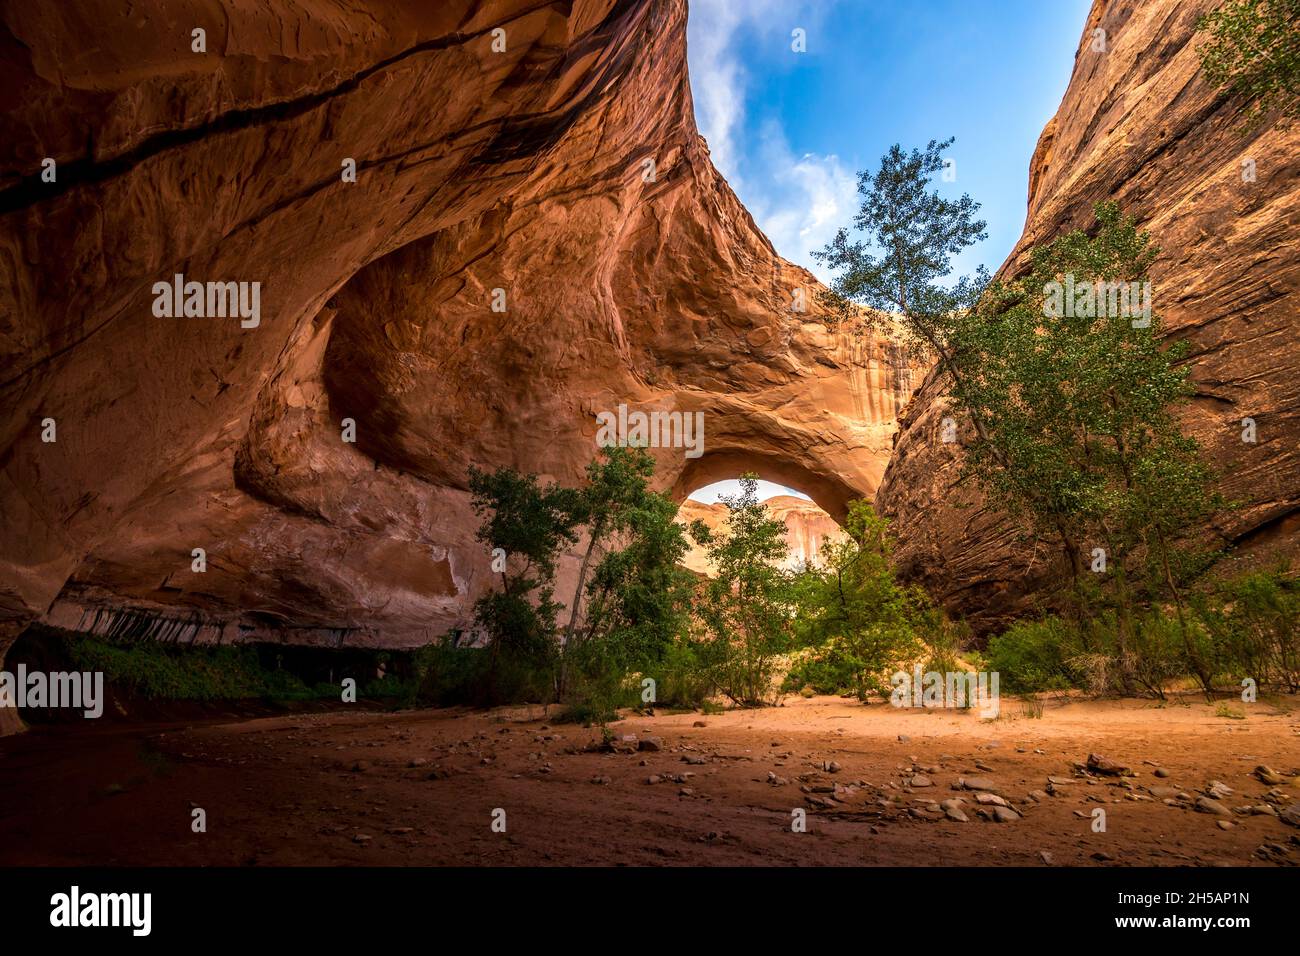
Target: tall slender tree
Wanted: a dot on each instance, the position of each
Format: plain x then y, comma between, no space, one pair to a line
747,609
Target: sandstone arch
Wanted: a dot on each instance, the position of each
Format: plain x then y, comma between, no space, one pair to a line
831,494
475,171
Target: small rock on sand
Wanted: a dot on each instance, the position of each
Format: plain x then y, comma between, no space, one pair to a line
1104,765
1206,805
1269,776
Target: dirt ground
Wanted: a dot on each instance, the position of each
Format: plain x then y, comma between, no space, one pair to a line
421,788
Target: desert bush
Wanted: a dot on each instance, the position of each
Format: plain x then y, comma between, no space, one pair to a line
830,668
942,639
1033,656
682,677
1055,654
1252,628
597,683
163,671
1161,651
857,623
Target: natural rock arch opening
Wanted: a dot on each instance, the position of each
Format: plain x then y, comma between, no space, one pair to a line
809,527
827,490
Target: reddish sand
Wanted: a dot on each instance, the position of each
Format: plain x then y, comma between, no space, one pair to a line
340,788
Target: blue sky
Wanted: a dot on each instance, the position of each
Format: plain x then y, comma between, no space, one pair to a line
790,131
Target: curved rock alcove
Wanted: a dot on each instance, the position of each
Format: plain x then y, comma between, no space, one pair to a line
523,170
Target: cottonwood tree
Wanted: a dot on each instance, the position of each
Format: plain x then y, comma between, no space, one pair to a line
631,600
532,524
637,596
890,280
1072,412
1080,396
910,236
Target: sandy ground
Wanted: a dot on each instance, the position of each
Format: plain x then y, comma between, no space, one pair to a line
421,788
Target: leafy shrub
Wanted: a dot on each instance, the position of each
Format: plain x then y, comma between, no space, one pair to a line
1252,627
450,676
830,668
1162,650
682,678
1033,656
858,622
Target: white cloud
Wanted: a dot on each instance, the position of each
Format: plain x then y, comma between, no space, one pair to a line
717,78
805,199
798,200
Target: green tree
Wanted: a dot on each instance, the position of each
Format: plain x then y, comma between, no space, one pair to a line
1254,50
637,597
1068,370
891,281
531,524
747,609
617,485
632,600
853,611
911,234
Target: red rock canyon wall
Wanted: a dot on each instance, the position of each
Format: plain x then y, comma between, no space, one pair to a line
1140,125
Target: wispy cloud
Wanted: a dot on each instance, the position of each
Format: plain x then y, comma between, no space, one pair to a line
805,198
798,198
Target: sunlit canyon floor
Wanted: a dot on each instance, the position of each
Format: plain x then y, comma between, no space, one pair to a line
420,787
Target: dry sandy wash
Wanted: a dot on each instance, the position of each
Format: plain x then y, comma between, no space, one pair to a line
420,787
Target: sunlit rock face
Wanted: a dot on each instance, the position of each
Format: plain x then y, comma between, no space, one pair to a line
808,530
564,170
1140,125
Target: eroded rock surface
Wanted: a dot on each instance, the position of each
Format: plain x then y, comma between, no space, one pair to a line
522,170
1139,124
